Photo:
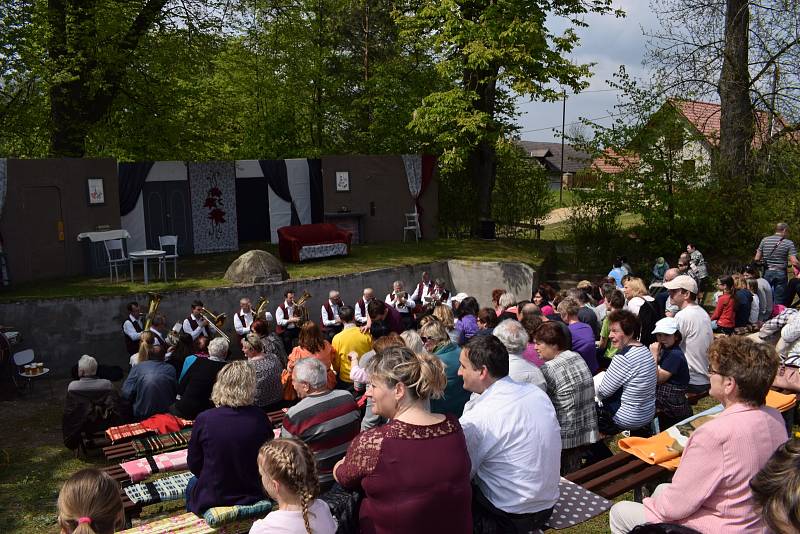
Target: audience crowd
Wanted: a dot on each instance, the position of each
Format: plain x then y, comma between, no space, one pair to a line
448,417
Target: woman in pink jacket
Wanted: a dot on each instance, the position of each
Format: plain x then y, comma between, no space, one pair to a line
710,491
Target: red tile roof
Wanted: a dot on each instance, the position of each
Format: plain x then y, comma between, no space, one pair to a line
611,162
705,116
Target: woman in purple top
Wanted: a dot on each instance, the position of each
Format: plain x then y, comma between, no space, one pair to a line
582,335
223,449
414,471
467,323
530,324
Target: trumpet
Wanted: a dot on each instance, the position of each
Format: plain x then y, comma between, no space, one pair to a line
261,309
216,322
152,308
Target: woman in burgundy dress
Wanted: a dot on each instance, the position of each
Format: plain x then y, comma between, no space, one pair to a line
413,471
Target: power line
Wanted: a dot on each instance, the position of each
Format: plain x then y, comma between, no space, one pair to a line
557,126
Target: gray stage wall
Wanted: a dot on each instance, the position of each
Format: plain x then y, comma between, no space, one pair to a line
61,330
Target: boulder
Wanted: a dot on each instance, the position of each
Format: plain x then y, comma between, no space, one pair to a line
256,267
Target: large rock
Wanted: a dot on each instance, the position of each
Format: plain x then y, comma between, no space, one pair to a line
256,267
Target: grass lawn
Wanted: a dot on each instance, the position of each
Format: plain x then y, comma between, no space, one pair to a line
207,270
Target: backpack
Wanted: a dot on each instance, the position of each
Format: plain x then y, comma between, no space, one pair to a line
649,315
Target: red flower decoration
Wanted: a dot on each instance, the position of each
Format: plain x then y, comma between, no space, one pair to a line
210,203
217,215
215,192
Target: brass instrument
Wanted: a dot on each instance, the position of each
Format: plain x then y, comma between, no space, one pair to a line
152,308
261,309
216,322
300,309
400,297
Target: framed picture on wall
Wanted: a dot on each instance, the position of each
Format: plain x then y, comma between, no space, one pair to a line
97,195
342,181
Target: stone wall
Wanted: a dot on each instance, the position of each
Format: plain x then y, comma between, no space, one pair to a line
61,330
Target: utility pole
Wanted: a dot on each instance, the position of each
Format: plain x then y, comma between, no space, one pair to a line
561,170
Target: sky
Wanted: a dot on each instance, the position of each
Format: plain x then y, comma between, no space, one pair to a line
609,42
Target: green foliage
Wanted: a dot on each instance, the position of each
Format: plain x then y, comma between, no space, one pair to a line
522,192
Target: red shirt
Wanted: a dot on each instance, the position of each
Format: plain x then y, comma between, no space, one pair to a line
725,313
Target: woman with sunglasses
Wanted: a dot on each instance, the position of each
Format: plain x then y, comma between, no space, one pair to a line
710,491
437,342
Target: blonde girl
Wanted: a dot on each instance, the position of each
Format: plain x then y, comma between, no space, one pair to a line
89,503
289,476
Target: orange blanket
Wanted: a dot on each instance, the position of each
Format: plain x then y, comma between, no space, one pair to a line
662,449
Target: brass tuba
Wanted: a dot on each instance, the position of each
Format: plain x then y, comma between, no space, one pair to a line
300,309
261,309
152,308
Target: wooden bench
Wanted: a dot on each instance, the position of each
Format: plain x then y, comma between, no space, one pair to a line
614,476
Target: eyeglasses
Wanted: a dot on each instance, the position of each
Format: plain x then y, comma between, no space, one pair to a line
425,339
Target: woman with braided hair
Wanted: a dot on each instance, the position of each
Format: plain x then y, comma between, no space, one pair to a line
414,471
289,476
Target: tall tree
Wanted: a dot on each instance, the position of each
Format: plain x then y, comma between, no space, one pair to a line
493,51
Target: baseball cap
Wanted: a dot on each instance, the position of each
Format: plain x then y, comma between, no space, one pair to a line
667,325
683,281
460,297
660,260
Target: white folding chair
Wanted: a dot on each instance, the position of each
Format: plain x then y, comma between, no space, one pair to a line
23,358
412,224
169,244
115,252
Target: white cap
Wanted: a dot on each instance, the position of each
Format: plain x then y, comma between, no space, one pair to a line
667,325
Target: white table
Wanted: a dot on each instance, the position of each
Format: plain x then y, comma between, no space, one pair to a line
145,255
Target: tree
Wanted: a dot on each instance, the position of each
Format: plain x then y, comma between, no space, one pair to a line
492,51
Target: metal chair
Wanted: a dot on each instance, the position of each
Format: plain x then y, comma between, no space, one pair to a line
115,252
412,224
23,358
164,243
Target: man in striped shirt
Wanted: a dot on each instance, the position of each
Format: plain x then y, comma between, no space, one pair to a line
327,420
775,250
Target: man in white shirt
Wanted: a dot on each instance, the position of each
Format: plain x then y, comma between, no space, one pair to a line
132,328
694,324
361,306
513,439
287,322
331,322
196,325
401,302
243,319
515,339
157,329
423,289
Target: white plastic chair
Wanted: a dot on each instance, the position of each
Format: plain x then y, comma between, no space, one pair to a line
23,358
115,252
169,244
412,224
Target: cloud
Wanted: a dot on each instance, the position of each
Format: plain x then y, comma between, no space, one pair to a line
608,42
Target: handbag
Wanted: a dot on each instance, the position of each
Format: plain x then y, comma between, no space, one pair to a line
289,393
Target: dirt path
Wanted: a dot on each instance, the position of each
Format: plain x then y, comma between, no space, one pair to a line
557,215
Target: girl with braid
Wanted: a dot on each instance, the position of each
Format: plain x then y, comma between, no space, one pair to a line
289,476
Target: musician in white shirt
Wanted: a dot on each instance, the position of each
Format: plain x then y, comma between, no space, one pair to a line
423,289
287,322
400,300
157,329
329,313
244,318
196,325
362,316
513,439
132,328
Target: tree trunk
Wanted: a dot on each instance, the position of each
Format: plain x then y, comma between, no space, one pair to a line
736,114
483,157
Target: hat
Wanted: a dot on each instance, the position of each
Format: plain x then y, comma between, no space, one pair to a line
667,325
683,281
660,261
460,297
584,284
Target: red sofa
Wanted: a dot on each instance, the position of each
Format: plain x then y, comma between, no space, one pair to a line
310,241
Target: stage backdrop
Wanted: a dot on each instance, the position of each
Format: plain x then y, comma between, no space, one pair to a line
213,197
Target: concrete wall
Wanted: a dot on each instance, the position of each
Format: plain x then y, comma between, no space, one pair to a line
479,278
60,330
47,207
379,182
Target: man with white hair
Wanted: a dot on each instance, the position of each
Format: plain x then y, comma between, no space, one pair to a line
327,420
87,379
194,387
515,339
400,301
361,306
329,313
